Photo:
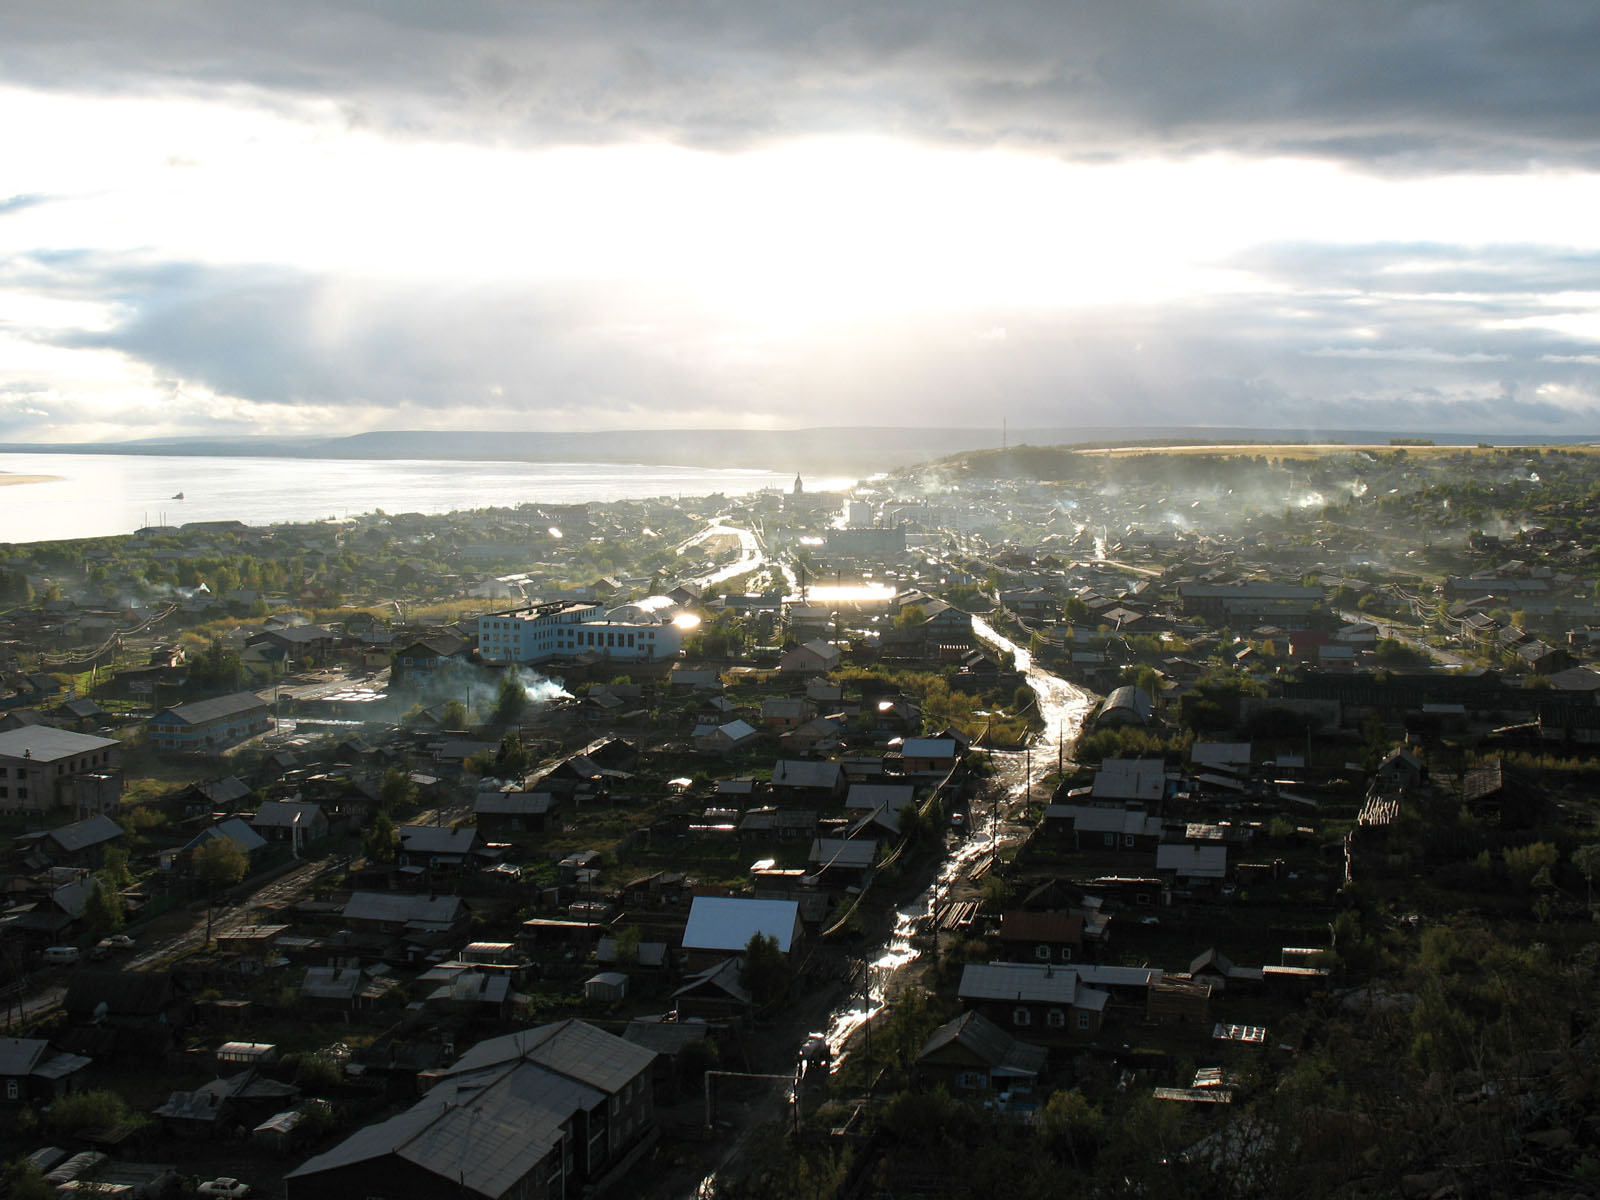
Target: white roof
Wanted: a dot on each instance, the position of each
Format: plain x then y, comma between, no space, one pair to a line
928,748
1201,862
877,795
1019,981
729,922
43,743
1130,779
1107,976
856,853
1220,754
1089,818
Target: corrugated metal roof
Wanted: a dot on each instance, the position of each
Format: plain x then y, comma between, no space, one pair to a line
729,922
199,712
389,906
80,835
1019,981
572,1047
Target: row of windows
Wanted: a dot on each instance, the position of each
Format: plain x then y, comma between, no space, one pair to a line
1055,1018
85,762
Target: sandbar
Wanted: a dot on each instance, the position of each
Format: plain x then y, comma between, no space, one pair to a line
8,479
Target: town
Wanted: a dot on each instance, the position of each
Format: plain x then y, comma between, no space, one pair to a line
1145,821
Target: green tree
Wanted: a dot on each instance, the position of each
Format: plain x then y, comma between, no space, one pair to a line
21,1180
626,941
100,1108
380,841
512,760
104,911
1587,860
114,867
1071,1127
397,791
766,972
512,701
454,715
218,863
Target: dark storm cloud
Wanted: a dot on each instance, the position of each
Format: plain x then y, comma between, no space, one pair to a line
1404,86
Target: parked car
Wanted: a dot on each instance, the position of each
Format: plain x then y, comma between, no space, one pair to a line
225,1186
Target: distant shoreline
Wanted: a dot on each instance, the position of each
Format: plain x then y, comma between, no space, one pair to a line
7,479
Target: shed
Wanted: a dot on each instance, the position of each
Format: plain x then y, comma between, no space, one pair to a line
608,987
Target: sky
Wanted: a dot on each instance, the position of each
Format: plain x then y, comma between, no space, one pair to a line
228,217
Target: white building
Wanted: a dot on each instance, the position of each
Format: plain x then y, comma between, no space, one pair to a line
641,632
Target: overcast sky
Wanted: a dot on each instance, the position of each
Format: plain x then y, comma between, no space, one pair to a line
231,216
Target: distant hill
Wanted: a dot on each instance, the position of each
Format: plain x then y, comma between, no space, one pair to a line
837,450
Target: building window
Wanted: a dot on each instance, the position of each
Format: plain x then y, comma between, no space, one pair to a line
1021,1016
971,1079
1127,840
13,1092
1056,1019
1111,839
1042,952
1083,1022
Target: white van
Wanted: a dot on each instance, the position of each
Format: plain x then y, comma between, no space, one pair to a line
57,955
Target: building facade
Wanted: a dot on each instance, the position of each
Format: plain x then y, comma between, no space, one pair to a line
642,632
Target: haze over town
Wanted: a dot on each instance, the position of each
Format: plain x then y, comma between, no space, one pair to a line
326,218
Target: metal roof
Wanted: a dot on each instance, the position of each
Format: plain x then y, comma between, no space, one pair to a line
803,773
19,1056
572,1048
45,744
392,906
729,922
249,840
438,839
874,795
857,853
198,712
982,1037
483,1131
80,835
1019,981
280,814
1201,862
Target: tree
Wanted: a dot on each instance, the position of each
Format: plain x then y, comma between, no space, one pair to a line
114,867
512,760
1587,860
397,791
1071,1126
766,971
219,862
104,911
24,1181
454,715
512,700
380,842
625,940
